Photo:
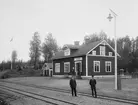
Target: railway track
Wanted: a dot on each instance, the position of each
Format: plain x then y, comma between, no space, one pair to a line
46,99
134,102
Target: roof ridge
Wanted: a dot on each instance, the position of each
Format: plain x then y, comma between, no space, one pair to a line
82,50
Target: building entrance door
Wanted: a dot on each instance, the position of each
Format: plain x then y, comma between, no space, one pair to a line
78,68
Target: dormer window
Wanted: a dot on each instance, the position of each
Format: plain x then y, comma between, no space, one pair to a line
93,52
110,53
67,52
102,50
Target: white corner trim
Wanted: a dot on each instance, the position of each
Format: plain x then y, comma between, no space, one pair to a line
86,65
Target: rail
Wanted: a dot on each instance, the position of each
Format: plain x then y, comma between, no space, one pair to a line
79,93
50,100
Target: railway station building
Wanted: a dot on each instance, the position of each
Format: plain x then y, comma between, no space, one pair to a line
97,58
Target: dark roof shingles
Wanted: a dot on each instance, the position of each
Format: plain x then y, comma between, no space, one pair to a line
82,50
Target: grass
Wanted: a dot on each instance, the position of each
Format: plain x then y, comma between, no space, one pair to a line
19,73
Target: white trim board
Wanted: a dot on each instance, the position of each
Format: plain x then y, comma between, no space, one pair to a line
100,56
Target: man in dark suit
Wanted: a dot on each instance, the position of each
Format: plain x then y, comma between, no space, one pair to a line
73,85
92,83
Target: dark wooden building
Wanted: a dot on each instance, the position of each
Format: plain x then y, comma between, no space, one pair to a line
89,59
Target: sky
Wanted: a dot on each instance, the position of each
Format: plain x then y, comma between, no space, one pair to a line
67,20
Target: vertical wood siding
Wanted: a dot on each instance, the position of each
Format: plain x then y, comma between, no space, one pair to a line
102,65
72,64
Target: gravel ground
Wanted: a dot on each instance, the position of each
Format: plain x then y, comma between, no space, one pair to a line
104,86
11,98
80,100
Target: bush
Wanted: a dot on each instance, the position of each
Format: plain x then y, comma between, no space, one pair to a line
4,74
19,73
31,72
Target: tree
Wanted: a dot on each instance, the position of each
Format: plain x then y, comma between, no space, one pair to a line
35,49
126,47
49,47
14,58
2,65
103,35
95,37
91,38
136,43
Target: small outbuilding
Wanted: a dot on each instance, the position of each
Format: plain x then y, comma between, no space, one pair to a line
47,69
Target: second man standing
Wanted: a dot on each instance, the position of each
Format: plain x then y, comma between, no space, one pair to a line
73,85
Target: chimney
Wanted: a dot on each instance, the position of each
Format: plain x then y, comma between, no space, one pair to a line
76,43
86,39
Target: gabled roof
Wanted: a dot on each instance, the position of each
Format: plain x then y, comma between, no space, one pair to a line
49,65
82,50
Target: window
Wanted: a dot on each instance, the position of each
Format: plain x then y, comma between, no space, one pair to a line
102,50
96,66
57,67
66,67
108,66
67,52
110,53
93,52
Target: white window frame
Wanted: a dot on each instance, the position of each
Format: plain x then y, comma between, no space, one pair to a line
93,52
67,52
94,66
108,63
57,70
110,54
102,50
64,67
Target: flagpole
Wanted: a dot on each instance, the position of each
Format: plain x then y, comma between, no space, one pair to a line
11,52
